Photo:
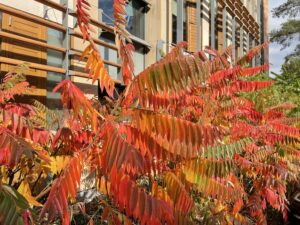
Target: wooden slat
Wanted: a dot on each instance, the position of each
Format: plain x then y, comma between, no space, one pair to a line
237,8
191,26
30,41
32,65
97,41
86,75
79,54
62,8
46,68
57,26
53,5
96,23
38,92
31,17
102,25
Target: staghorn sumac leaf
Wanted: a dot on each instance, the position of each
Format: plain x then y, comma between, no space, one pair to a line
24,189
161,128
14,207
120,153
66,185
13,147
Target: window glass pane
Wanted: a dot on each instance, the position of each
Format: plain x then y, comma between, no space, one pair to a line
54,58
108,11
110,55
55,37
175,20
136,18
53,99
174,7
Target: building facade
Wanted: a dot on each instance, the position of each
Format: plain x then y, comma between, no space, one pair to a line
45,34
214,23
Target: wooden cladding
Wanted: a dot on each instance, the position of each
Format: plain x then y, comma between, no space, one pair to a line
49,24
244,18
234,8
12,48
191,26
24,39
14,16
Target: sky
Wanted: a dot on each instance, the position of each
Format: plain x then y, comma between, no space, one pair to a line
276,53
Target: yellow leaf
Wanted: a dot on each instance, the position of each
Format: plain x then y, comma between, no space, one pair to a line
219,207
58,163
85,52
102,186
4,174
24,190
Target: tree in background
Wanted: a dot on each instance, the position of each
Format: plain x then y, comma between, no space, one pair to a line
290,29
287,86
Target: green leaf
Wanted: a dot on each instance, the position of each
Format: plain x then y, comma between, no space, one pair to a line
12,206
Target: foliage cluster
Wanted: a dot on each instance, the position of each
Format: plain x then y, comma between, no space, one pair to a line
181,145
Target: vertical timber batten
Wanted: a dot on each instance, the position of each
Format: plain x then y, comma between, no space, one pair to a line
224,27
198,13
168,26
66,39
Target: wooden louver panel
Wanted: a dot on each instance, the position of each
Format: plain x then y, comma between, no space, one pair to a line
26,52
191,25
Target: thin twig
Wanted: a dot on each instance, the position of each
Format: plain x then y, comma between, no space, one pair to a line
44,192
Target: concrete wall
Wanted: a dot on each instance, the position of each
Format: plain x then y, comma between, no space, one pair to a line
156,28
205,25
29,6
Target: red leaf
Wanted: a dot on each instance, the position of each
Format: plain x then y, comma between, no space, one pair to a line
237,206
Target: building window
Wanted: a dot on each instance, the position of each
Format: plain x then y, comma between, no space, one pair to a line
213,15
112,56
135,16
54,58
108,11
175,20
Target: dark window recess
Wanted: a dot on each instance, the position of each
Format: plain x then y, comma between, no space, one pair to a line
185,31
185,28
174,29
175,20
